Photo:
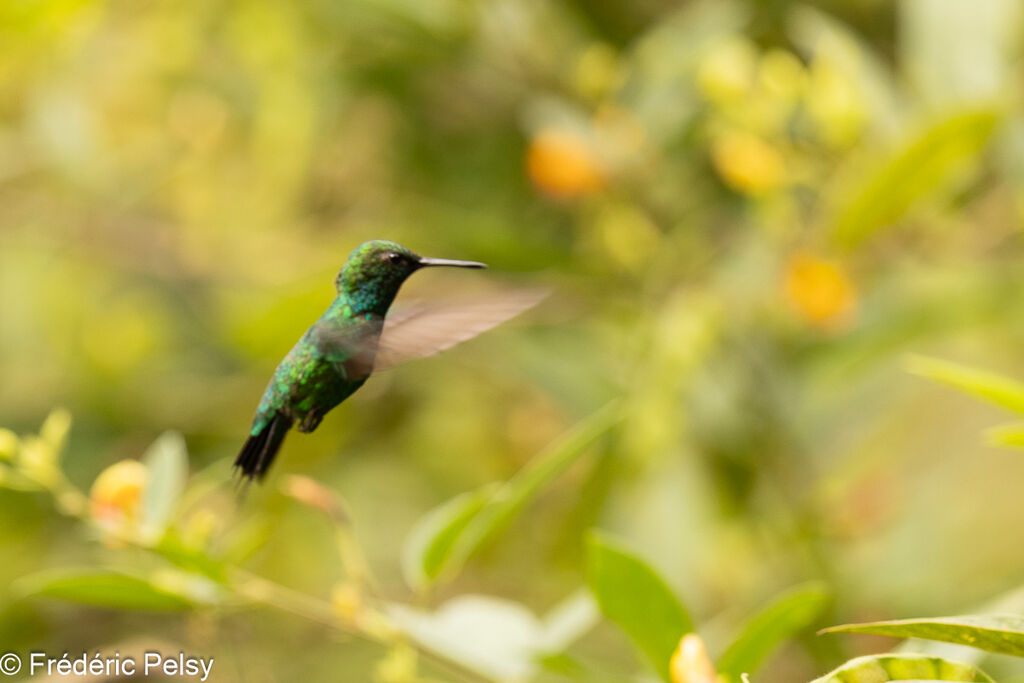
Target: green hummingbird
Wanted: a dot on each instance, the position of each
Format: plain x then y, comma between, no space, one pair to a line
354,337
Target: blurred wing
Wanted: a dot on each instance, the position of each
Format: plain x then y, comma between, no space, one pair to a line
426,329
349,347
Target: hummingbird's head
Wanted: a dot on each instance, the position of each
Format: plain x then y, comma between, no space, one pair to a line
375,270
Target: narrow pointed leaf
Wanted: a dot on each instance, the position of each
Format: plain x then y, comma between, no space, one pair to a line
102,589
923,166
429,544
890,667
509,499
988,386
784,616
633,595
1003,634
167,465
1011,602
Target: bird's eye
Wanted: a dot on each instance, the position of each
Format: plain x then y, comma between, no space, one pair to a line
395,258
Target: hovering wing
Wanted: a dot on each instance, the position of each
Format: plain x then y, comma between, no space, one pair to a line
349,347
425,329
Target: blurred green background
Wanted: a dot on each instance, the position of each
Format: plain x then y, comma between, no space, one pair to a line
749,213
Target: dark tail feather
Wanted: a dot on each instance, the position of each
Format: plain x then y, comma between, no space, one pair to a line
258,452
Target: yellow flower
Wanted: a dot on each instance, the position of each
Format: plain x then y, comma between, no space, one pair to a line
399,666
347,600
835,103
747,163
690,662
820,290
597,71
115,500
726,73
563,164
782,75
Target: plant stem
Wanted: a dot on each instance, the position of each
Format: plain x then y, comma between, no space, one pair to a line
367,624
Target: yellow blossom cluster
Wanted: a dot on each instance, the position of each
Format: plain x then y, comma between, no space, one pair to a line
769,112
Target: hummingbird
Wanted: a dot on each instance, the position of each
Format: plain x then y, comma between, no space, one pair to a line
355,336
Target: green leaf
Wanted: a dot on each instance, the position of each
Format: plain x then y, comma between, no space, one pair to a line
780,619
631,594
988,386
508,500
167,465
924,165
430,542
102,589
563,665
1011,602
171,548
890,667
1003,634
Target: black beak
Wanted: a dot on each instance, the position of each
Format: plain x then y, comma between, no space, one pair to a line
430,262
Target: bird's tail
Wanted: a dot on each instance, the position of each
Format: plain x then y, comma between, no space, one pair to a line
259,450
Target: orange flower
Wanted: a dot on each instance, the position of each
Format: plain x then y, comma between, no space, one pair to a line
115,500
563,164
690,662
820,290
